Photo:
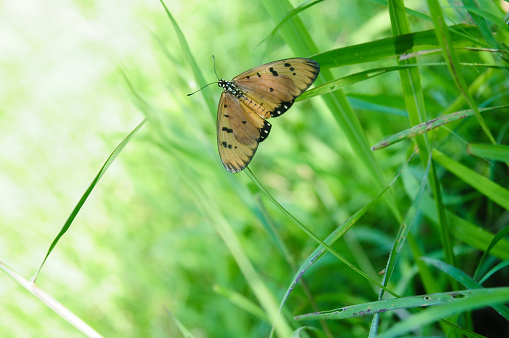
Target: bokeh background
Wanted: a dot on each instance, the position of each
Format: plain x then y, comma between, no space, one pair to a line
76,77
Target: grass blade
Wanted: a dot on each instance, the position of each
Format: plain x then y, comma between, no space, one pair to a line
419,301
465,280
465,301
484,185
489,151
51,302
83,198
440,121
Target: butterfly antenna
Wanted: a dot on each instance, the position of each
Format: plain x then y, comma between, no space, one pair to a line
213,58
201,88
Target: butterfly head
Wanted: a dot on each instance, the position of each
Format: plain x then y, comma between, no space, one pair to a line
222,83
230,87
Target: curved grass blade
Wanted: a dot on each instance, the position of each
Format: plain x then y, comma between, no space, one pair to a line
465,301
429,125
498,237
312,235
190,58
484,185
352,79
83,198
349,80
465,280
489,151
496,268
392,47
293,12
51,302
241,302
479,17
420,301
463,230
301,43
445,39
334,236
405,227
409,11
185,332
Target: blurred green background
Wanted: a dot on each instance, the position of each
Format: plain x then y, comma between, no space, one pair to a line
153,235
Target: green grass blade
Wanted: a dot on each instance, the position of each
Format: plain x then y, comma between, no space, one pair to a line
192,62
352,79
462,230
465,280
320,251
51,302
442,299
495,269
440,121
241,301
311,234
498,237
446,44
489,151
464,301
391,47
87,193
484,185
298,38
404,231
181,327
222,226
305,5
414,102
480,22
409,11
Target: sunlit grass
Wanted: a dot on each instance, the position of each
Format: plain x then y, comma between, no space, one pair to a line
168,241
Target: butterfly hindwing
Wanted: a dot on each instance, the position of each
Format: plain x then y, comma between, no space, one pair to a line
277,84
239,131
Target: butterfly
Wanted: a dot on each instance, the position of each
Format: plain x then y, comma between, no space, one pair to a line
252,97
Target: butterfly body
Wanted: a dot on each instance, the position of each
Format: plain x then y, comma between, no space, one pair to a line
252,97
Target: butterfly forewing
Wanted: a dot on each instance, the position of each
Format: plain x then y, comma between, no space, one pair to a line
260,93
277,84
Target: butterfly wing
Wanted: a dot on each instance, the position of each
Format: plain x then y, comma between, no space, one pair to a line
276,85
239,131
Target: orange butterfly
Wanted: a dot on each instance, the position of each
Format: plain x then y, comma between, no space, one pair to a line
252,97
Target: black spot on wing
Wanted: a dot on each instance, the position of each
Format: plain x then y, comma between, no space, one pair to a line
273,71
228,130
264,132
282,108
